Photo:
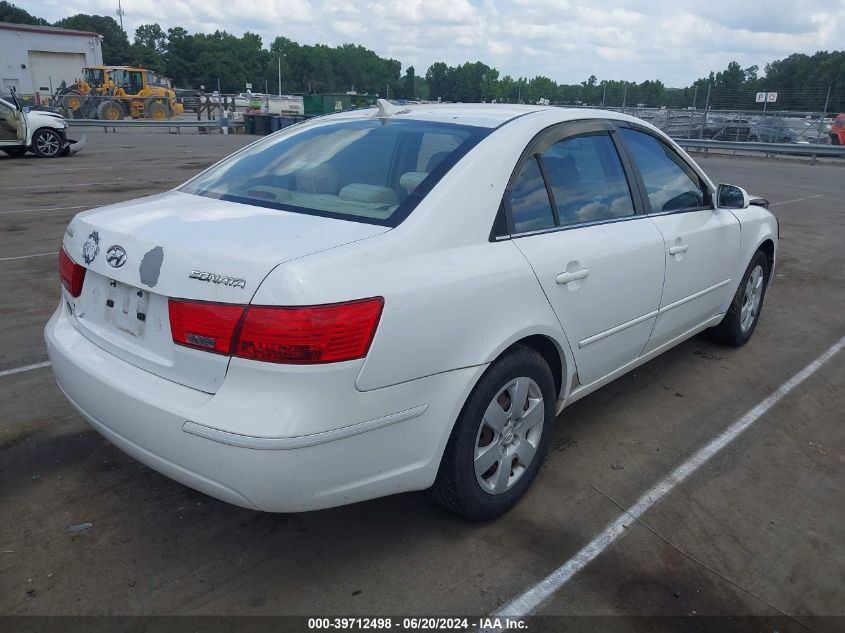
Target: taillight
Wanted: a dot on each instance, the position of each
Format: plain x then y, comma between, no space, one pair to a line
208,326
294,335
72,274
308,335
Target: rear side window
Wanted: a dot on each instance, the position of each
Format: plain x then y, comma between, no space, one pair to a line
587,180
369,170
529,200
670,182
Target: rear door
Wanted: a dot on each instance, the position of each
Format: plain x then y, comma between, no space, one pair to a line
599,260
701,241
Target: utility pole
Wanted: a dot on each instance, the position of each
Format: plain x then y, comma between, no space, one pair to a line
120,13
706,110
604,95
625,95
824,114
694,97
280,77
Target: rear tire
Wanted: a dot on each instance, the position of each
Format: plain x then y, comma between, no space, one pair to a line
744,312
509,456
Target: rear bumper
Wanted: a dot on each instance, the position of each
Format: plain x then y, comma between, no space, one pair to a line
257,444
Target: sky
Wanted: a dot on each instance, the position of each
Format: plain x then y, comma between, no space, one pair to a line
676,41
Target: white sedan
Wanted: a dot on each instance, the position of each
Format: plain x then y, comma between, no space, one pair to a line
389,300
43,133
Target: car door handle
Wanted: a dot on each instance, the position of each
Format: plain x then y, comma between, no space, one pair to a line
565,278
678,248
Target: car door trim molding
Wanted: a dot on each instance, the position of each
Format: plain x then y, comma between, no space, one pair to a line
694,296
617,328
300,441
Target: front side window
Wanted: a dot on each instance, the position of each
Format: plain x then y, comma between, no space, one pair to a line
587,180
369,170
670,182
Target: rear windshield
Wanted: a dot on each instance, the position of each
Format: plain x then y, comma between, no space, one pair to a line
372,170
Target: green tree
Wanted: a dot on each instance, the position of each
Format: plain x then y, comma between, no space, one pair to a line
115,42
11,13
149,50
409,87
437,77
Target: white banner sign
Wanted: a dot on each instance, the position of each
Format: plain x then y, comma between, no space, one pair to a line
766,97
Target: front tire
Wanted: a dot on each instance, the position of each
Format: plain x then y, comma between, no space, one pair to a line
500,438
46,144
72,100
744,312
157,111
110,111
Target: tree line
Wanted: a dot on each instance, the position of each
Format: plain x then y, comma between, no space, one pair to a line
228,62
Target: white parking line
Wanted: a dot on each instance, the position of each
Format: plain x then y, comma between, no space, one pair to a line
79,206
777,204
79,184
20,370
526,602
8,259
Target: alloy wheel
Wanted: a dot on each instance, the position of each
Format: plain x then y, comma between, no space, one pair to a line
47,144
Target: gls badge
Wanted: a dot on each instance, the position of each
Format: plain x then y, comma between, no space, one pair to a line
116,256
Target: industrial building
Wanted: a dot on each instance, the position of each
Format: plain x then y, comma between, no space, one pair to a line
36,59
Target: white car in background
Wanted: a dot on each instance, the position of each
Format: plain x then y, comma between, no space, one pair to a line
25,130
389,300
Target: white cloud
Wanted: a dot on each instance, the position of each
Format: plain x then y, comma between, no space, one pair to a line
676,41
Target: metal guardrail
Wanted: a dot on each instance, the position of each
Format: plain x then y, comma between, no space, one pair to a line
795,149
790,149
130,123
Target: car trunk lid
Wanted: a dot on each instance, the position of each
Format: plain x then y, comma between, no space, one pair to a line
140,254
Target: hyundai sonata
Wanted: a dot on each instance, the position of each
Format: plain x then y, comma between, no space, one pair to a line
392,299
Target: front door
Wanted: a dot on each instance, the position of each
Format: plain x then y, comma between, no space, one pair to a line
599,261
11,125
701,241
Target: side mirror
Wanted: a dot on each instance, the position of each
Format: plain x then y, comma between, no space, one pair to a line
732,197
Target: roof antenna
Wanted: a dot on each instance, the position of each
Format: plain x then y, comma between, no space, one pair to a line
387,109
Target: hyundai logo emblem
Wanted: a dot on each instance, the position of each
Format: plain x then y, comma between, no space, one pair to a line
116,256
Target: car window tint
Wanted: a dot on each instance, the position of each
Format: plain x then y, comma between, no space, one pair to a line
587,180
366,170
434,148
529,200
671,183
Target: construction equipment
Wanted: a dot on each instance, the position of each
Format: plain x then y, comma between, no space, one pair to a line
95,80
119,92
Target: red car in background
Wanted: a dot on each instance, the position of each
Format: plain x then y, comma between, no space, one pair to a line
837,130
